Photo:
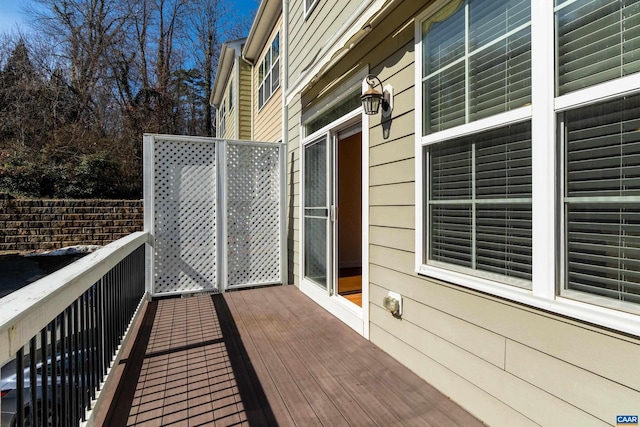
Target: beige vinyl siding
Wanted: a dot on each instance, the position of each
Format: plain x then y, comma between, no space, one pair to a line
230,122
308,37
244,101
293,190
268,119
268,123
506,363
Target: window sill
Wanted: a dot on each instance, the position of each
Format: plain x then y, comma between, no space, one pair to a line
597,315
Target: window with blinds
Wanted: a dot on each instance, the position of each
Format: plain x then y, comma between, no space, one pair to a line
479,203
309,5
476,61
598,41
269,72
602,199
222,119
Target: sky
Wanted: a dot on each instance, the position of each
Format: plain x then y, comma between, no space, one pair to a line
12,17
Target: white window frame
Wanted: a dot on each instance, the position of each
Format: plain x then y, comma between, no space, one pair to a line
309,6
222,118
269,74
547,210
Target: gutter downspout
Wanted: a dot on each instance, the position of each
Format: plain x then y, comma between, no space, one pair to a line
236,97
251,118
285,136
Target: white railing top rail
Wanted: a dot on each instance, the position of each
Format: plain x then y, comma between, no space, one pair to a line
186,138
28,310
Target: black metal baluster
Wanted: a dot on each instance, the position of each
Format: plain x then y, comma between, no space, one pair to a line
20,386
83,356
108,320
115,312
119,301
91,346
54,370
124,270
44,376
99,333
33,383
77,351
64,388
71,389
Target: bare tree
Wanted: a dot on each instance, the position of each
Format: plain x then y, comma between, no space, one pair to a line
94,77
85,32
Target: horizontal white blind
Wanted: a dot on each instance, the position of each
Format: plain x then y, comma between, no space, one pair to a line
480,202
444,72
598,40
602,173
476,62
500,76
451,234
503,235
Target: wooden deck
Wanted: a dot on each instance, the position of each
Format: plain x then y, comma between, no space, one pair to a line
264,357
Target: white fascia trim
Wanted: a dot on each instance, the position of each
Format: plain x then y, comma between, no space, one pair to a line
354,24
267,15
226,61
598,316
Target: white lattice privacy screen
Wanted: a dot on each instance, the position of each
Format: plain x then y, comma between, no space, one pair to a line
201,190
253,214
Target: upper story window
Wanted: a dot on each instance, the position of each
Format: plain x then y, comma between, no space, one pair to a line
231,95
269,72
507,115
598,41
476,61
222,118
309,5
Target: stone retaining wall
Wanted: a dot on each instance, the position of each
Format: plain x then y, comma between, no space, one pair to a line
35,225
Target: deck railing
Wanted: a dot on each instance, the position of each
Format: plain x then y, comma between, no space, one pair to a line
59,336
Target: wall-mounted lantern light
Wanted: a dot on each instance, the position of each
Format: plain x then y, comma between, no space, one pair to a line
372,98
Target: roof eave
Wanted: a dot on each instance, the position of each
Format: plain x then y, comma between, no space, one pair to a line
268,13
225,65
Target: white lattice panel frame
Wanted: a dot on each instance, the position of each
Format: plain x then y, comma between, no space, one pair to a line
253,214
215,213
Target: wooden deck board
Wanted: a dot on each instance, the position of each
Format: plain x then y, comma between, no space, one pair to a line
328,370
358,369
324,389
267,356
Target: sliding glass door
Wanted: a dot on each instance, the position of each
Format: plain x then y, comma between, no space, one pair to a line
317,205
